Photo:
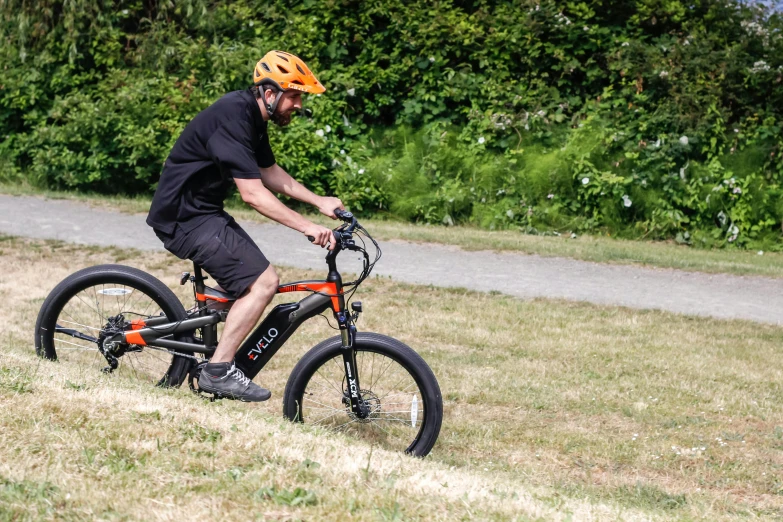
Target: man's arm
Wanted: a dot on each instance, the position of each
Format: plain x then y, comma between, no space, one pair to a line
255,194
275,178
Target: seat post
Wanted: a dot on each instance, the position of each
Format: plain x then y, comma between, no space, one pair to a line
208,333
198,279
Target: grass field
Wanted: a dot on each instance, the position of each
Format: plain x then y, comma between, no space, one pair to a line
587,248
553,410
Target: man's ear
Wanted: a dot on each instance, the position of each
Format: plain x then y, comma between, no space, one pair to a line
270,95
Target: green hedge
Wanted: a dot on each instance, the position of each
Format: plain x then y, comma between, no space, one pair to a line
655,118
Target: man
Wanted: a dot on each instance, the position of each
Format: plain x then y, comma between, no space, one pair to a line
226,144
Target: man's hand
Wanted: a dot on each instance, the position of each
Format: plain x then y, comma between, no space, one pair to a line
327,206
321,234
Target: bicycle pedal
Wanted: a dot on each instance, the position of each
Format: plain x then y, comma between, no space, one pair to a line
107,370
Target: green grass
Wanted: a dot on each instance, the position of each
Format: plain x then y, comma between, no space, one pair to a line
552,409
587,248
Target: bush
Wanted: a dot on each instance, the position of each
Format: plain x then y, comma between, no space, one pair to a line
489,112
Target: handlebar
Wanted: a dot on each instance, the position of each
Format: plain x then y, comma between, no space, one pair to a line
347,217
344,215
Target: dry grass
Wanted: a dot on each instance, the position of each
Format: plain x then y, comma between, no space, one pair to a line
598,249
552,409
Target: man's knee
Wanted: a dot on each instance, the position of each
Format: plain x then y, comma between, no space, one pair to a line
266,284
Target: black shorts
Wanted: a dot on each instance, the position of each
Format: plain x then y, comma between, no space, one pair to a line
222,249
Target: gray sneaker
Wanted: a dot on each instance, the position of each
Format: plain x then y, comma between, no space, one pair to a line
226,380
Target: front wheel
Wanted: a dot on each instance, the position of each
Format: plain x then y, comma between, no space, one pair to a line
399,389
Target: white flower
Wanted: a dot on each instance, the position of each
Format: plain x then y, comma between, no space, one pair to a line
125,11
585,181
481,140
663,74
684,140
510,214
342,151
319,132
351,91
736,130
626,201
527,127
624,44
361,171
550,196
250,23
328,128
737,190
760,66
586,28
346,122
432,58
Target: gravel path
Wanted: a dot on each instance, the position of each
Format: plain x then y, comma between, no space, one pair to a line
724,296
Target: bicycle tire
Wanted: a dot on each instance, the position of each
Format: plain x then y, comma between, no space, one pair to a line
110,274
365,342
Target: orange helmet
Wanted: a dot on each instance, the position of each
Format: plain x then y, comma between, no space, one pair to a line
286,71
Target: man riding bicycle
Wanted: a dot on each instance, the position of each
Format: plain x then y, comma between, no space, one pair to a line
227,144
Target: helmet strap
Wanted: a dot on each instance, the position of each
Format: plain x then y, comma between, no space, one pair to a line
271,107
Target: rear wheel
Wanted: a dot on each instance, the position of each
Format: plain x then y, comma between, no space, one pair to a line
399,389
97,302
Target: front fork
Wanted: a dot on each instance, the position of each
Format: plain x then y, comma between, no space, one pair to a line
353,389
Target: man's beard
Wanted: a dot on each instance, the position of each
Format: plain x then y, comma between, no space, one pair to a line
281,120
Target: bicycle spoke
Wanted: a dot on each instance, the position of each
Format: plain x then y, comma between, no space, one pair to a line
338,390
79,324
81,346
387,389
88,310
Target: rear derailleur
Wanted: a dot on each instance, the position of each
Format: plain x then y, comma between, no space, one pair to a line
111,342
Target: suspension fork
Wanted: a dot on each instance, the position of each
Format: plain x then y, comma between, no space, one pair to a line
348,334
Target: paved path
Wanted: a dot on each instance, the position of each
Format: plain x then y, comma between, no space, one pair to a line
725,296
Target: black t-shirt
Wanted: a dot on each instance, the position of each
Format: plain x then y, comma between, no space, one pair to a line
226,140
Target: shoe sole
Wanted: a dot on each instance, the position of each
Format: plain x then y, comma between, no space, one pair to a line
219,395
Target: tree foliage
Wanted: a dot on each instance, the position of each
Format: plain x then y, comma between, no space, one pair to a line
655,118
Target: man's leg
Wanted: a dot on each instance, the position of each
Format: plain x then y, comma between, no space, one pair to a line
244,315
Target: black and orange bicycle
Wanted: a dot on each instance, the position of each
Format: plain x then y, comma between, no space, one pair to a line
120,319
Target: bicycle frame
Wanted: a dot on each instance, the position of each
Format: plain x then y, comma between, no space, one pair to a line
269,336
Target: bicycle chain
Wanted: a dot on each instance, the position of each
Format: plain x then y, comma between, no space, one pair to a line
177,354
